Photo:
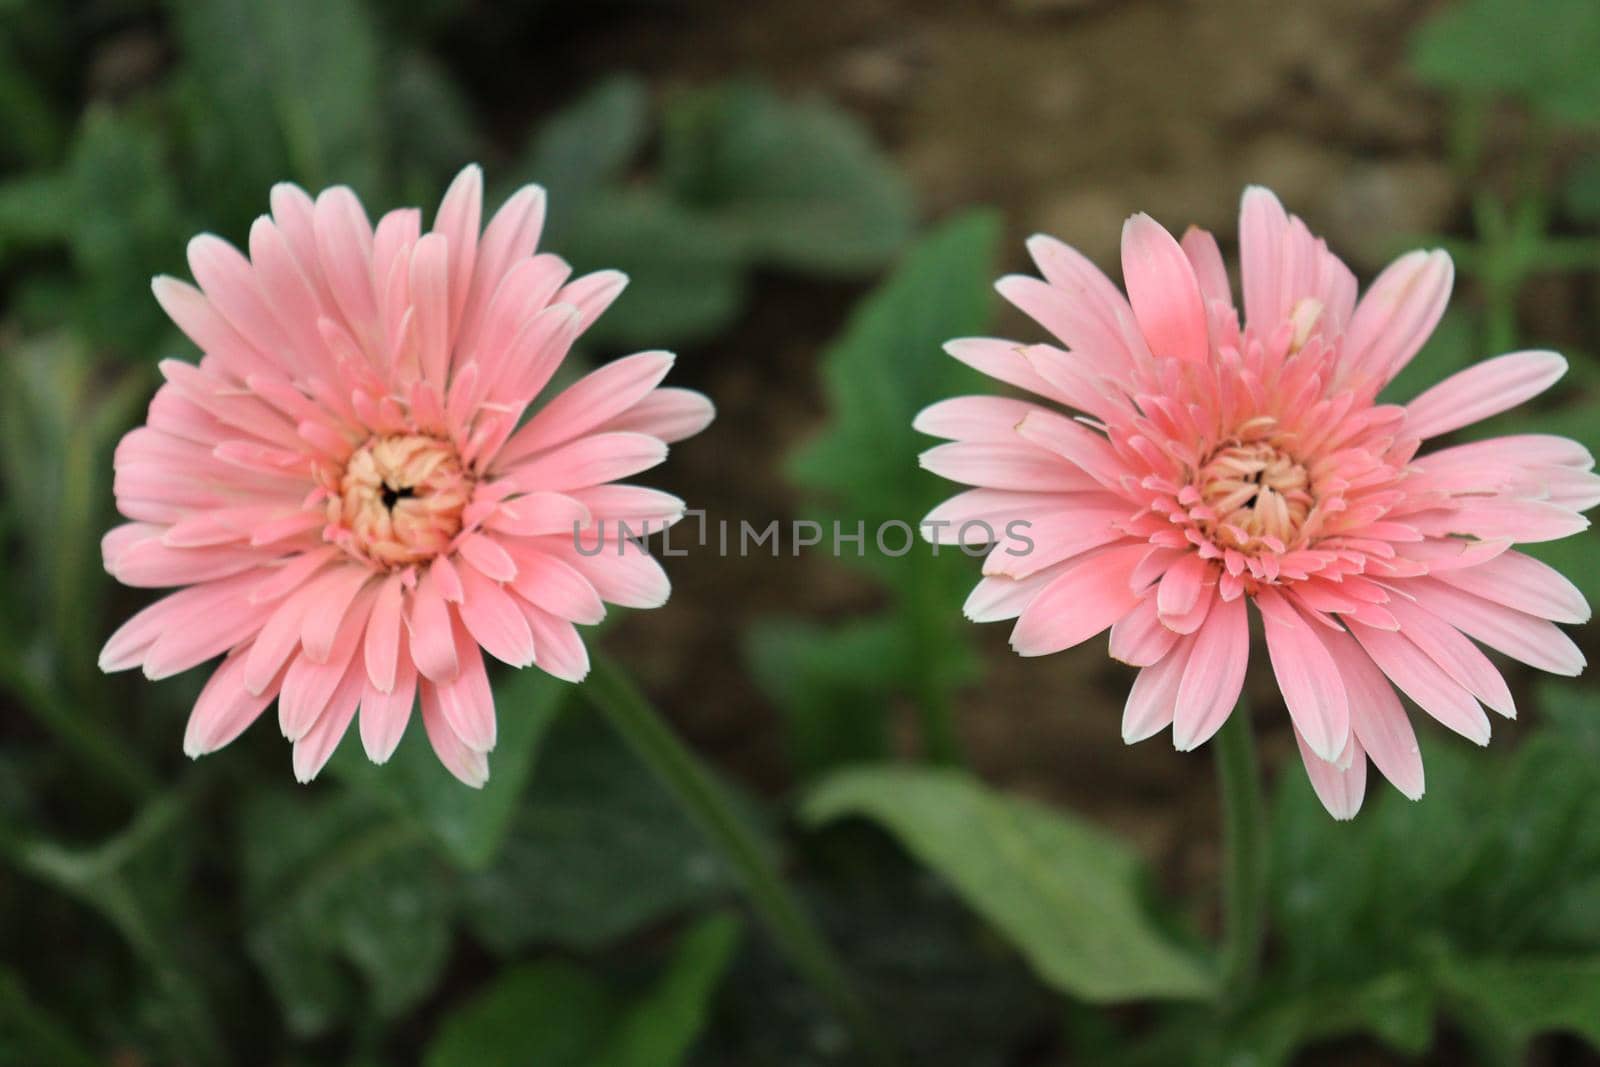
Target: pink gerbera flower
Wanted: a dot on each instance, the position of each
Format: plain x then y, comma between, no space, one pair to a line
343,487
1214,464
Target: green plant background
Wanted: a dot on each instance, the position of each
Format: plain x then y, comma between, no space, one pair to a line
807,252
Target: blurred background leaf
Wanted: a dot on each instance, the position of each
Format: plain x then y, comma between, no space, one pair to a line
559,1015
1064,894
861,471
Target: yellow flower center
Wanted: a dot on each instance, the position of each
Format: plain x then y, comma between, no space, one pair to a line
1259,495
401,498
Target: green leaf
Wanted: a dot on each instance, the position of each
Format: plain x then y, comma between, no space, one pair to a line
1065,894
30,1032
551,1013
1542,54
596,851
32,121
1521,998
471,824
686,280
661,1028
862,470
799,185
587,147
330,881
1485,889
37,208
126,225
557,1014
830,682
889,364
433,129
291,82
1581,191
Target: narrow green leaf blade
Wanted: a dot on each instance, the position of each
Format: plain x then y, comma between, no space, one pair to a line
1065,894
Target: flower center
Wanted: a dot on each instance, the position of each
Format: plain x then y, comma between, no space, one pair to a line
400,499
1258,495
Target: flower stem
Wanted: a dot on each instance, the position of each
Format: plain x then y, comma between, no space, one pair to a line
614,695
1244,845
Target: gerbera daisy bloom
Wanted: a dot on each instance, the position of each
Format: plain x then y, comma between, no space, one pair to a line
346,488
1208,464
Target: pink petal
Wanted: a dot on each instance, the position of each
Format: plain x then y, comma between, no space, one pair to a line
1341,790
1083,601
430,304
620,571
510,237
561,651
384,714
1214,676
633,504
344,248
1263,227
982,516
1092,314
432,644
558,588
1164,291
670,414
1521,636
1138,638
1376,717
381,649
228,621
489,556
469,766
313,750
1088,522
1153,697
491,616
589,402
224,709
280,636
1459,657
1206,259
998,598
229,283
189,309
1180,587
591,460
460,214
1004,362
183,610
1307,675
1076,443
592,294
1503,518
1424,681
536,514
973,418
996,465
337,595
1522,583
1478,392
467,703
1396,316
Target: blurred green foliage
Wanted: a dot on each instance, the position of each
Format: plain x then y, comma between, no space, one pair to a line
1065,893
837,684
568,914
